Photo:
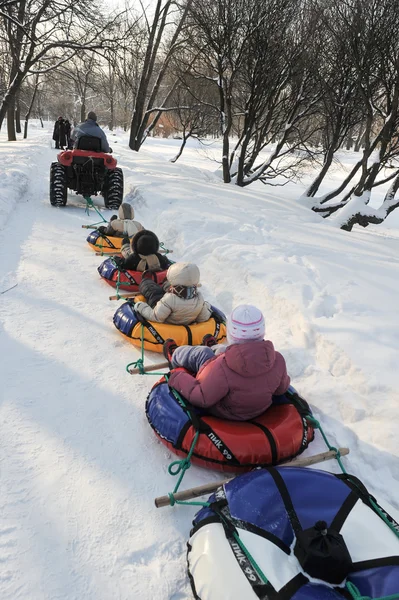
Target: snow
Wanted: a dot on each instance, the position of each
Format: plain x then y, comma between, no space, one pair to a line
79,465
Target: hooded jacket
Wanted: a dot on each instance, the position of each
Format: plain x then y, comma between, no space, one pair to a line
238,384
173,308
124,225
91,129
149,260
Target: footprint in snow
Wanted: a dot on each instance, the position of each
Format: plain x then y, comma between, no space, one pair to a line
325,306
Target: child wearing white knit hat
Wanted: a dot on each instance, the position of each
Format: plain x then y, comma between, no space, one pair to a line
237,381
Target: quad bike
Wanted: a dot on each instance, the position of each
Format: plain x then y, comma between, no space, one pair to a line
89,172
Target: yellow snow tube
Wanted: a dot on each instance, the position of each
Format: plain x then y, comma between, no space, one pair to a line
154,334
106,244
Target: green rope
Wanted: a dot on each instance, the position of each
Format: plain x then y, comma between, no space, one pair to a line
139,363
250,558
90,204
316,424
356,595
93,225
179,467
162,247
118,278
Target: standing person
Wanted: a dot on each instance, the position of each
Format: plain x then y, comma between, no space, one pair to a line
59,133
90,128
67,132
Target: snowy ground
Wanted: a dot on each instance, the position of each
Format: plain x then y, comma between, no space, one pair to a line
79,465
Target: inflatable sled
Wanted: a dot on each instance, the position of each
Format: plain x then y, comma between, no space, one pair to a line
279,434
274,511
128,280
107,244
134,326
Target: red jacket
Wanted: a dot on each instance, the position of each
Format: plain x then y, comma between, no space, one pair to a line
238,384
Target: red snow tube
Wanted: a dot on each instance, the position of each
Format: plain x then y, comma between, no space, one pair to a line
277,435
128,280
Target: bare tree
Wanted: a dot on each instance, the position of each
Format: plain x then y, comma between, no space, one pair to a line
189,118
154,68
341,107
35,88
49,33
375,56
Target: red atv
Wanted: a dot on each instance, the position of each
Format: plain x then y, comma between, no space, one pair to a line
89,172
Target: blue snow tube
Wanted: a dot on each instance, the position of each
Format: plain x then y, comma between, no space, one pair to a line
267,508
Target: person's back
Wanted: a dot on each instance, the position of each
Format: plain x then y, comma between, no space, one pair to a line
253,372
90,128
143,255
182,304
122,225
59,135
239,383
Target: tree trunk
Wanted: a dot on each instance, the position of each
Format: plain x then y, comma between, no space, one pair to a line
17,115
83,110
349,139
314,186
11,122
111,108
10,95
140,118
30,108
359,140
138,111
182,146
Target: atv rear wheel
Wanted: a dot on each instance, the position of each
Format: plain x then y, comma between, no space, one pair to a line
113,189
58,185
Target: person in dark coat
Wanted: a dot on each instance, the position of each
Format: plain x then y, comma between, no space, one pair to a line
90,128
144,255
59,133
68,132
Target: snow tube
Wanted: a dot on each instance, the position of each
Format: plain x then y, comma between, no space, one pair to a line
104,243
268,508
129,323
278,434
128,280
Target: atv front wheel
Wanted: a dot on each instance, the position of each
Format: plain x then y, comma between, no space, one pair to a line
113,189
58,185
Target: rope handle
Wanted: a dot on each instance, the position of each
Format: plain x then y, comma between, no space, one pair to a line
90,204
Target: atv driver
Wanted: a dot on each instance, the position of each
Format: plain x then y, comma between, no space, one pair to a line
90,128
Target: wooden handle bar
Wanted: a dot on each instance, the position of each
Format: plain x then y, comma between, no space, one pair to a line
125,296
208,488
155,367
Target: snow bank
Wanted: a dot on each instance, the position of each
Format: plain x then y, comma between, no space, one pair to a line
18,171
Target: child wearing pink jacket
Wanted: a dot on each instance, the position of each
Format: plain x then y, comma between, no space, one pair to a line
238,383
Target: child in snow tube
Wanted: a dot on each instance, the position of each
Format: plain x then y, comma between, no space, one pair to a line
178,301
145,254
238,383
124,225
